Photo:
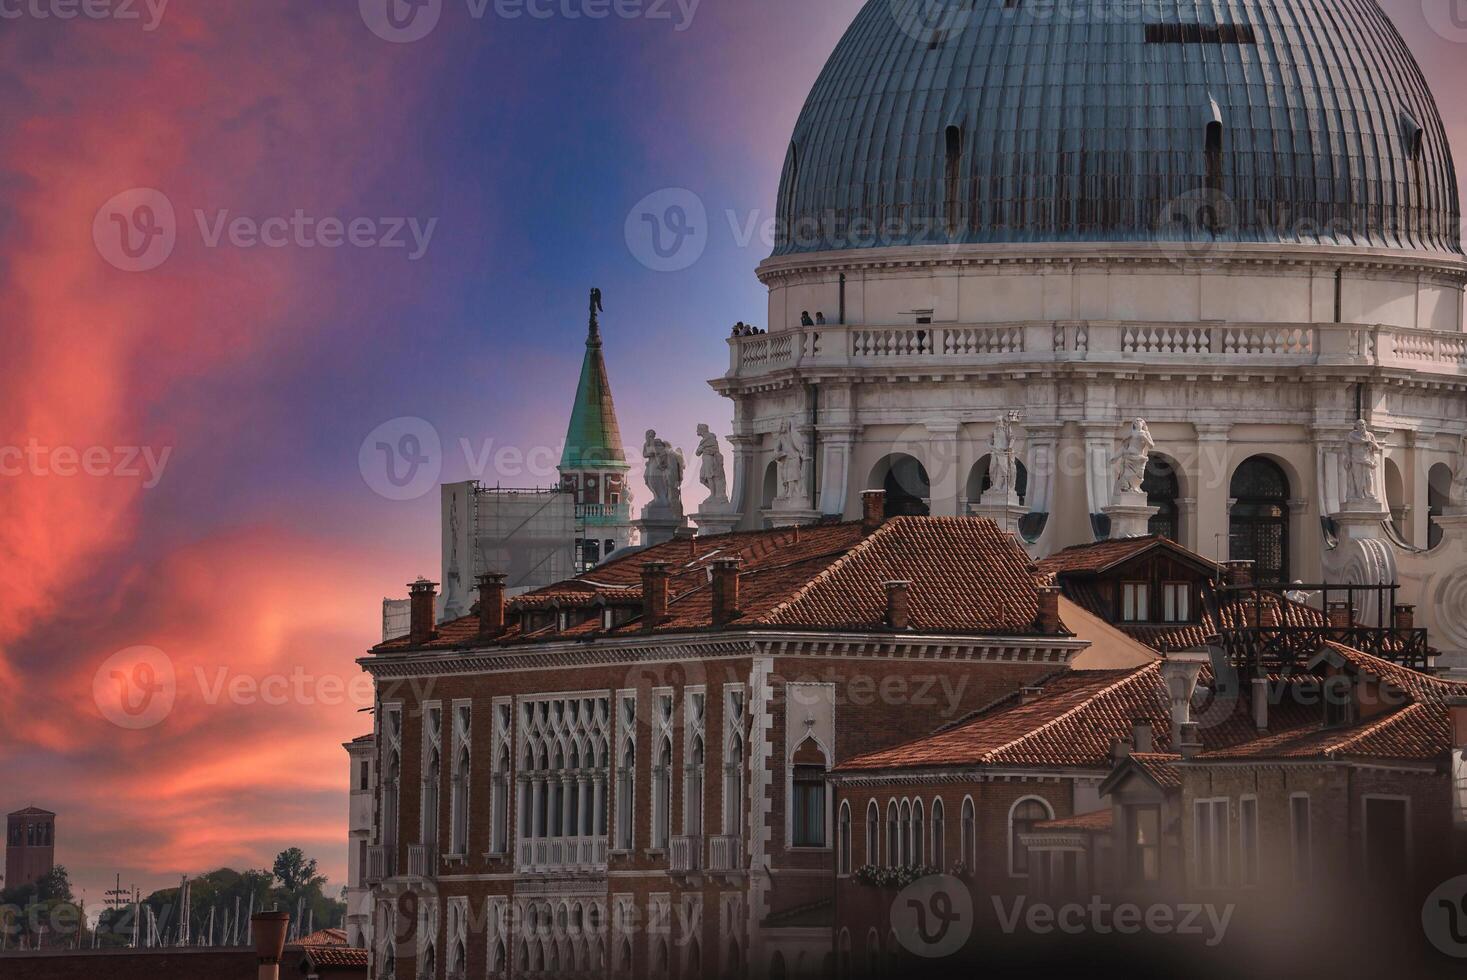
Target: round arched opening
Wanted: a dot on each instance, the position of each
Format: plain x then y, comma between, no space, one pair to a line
1395,489
1163,491
908,490
979,480
1259,522
1438,497
770,489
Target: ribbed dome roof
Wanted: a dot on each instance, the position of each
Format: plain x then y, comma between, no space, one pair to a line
992,121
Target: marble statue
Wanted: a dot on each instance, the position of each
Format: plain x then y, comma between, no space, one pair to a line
1361,462
665,466
1135,453
711,472
789,453
1001,468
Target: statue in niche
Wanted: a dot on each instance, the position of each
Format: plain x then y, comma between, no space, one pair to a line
789,454
711,472
1362,460
1001,466
664,475
1135,453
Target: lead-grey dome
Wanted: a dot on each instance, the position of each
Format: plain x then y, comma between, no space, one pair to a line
993,121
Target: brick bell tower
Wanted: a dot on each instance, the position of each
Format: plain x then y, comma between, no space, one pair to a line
30,845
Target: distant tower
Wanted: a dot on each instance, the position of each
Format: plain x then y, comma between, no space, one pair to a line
594,464
30,845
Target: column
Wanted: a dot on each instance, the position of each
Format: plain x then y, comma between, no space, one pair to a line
744,495
943,466
1209,517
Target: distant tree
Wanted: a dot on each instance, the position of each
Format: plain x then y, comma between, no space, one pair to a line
295,872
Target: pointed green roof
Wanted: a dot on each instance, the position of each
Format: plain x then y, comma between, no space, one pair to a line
593,439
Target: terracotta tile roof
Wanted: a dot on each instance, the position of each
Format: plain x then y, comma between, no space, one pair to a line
1072,724
324,937
335,956
967,575
1160,766
1101,555
1094,821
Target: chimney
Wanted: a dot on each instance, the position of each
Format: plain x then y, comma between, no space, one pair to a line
898,605
654,594
1029,694
1240,574
491,603
1179,672
1341,616
725,591
421,597
268,929
1405,618
1047,621
1120,751
1141,734
873,510
1190,743
1260,704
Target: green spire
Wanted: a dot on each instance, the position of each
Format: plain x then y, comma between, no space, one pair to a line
593,439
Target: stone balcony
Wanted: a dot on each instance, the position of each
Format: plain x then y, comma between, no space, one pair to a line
380,864
726,855
1208,345
422,861
685,855
544,854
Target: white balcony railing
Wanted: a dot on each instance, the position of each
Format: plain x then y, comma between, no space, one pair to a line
379,863
422,861
561,853
685,854
945,346
725,854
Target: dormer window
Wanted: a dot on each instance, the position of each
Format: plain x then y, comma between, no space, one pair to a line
1135,602
1176,602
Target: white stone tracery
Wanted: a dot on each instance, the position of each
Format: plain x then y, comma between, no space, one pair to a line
564,746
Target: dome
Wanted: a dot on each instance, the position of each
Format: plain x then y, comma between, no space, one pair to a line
1006,121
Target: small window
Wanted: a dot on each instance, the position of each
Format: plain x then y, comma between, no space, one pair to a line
843,855
1211,834
1135,602
893,836
1143,844
968,840
873,834
938,830
1022,818
1301,837
1248,841
1177,602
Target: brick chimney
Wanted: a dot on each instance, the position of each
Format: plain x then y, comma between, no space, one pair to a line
1341,616
491,603
1047,620
726,577
873,510
1240,574
1028,694
421,596
899,605
1190,743
1179,672
654,594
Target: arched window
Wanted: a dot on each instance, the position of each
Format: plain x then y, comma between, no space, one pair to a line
1163,491
391,803
771,486
624,778
460,842
968,838
843,840
1438,498
693,805
501,804
917,830
662,796
907,486
776,966
624,960
434,774
893,836
980,481
1259,524
905,837
939,849
1022,818
733,787
873,954
873,834
497,958
1395,489
843,954
808,823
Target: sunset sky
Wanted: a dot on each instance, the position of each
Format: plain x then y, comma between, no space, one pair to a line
185,468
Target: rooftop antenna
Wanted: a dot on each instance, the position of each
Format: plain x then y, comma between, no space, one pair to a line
136,916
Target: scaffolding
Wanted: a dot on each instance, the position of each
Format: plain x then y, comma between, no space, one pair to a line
530,535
